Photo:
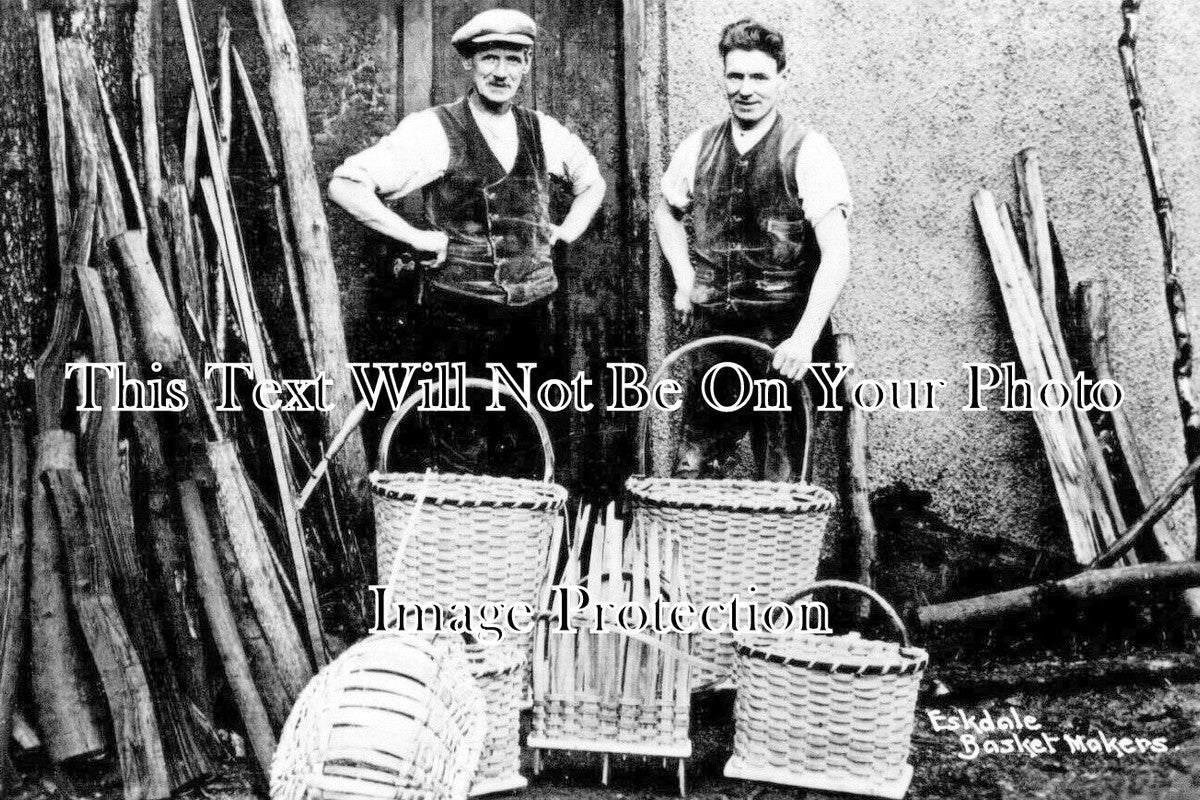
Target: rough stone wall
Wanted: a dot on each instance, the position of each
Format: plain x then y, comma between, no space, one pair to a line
926,102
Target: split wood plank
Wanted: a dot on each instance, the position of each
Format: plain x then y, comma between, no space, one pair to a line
67,704
223,624
139,745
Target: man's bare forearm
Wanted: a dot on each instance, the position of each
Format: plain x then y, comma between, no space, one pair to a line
672,238
830,279
583,209
361,202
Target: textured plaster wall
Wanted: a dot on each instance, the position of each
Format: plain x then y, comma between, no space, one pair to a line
926,102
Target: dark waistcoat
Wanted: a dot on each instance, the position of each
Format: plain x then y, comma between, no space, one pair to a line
498,224
751,244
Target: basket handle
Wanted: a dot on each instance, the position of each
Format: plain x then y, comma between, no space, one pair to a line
643,435
866,591
410,402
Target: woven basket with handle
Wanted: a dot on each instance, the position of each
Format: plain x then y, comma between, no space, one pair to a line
833,713
395,716
480,539
735,533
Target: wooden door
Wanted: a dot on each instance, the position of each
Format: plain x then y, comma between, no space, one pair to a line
578,77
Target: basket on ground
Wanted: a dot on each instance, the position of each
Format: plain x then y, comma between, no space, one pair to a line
833,713
614,691
394,716
735,533
480,538
498,671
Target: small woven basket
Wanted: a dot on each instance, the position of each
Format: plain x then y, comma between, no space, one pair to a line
394,716
481,539
735,534
833,713
498,671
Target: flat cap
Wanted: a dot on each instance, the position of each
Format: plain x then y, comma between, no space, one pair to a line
495,25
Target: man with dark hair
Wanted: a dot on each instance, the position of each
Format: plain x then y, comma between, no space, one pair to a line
753,223
485,165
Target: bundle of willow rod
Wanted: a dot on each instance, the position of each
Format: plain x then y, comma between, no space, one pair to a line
1084,487
608,692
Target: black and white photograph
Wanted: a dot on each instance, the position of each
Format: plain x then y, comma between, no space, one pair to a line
613,400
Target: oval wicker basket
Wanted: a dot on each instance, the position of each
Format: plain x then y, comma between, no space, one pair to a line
394,716
833,713
736,533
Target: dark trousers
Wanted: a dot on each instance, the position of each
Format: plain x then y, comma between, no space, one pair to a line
460,329
710,437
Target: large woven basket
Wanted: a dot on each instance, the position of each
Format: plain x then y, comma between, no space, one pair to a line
394,716
736,534
833,713
479,539
497,670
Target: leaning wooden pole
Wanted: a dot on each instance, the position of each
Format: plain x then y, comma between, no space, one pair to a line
1176,303
234,255
860,523
66,699
313,249
14,577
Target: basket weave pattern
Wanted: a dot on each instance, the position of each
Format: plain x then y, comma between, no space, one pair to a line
394,716
833,713
838,723
736,534
591,718
498,671
479,538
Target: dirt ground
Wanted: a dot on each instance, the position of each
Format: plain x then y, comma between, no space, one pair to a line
1159,707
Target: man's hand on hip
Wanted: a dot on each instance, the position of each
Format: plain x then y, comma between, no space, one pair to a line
683,310
792,357
435,242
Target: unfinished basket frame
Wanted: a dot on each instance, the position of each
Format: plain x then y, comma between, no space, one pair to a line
736,534
586,697
833,713
394,716
481,538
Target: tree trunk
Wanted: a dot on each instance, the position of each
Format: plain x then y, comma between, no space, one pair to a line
23,186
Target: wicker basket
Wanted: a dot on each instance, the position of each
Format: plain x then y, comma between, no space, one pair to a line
833,713
480,538
394,716
498,671
736,534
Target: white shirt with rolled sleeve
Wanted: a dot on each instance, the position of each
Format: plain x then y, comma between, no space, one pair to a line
820,177
417,153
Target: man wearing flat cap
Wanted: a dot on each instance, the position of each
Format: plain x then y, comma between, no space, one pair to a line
484,165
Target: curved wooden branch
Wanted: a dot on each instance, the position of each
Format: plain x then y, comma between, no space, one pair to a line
1176,303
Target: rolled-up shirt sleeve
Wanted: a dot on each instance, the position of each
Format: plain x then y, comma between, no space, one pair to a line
416,153
567,157
679,178
821,179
